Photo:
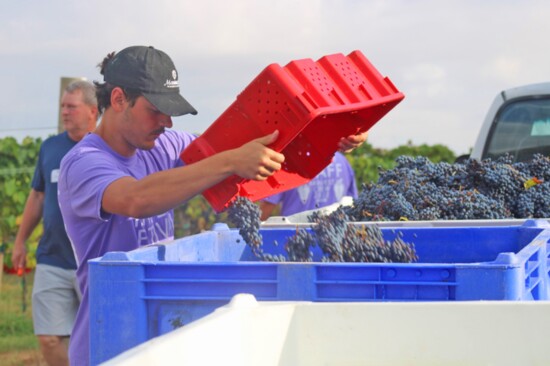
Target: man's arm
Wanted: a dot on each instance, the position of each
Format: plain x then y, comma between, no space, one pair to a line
162,191
266,209
32,214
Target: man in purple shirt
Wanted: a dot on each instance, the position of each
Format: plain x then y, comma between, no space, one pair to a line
329,186
119,185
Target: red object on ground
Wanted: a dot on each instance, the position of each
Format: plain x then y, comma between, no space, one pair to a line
312,104
19,272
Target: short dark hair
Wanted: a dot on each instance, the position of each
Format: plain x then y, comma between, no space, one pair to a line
104,90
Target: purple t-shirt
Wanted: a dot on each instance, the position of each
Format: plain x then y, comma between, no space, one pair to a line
85,173
329,186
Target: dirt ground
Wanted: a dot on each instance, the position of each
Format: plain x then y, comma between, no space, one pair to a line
22,358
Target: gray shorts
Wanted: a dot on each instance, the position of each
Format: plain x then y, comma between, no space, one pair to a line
55,300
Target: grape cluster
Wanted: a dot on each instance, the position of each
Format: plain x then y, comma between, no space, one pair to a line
299,246
246,216
330,231
534,202
342,242
417,189
339,241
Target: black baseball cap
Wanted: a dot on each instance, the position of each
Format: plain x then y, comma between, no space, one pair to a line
151,72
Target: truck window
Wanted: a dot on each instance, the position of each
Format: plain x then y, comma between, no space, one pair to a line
521,128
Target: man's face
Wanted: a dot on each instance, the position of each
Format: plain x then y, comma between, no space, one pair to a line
143,124
78,118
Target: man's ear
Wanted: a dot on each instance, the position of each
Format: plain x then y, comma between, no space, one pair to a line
118,99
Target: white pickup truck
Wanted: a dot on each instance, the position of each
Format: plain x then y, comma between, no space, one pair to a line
518,122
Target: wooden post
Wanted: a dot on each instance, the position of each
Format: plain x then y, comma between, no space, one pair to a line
64,82
1,268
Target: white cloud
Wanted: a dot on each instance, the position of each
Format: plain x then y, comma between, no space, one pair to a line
505,68
429,80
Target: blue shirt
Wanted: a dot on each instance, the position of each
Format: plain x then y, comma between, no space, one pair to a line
54,247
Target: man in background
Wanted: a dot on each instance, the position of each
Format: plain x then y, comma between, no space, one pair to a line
333,183
55,297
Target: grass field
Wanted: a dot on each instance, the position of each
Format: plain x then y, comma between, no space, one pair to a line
18,345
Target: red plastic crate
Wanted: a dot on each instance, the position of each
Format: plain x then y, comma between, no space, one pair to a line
313,104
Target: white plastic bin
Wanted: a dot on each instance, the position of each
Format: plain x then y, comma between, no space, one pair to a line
247,332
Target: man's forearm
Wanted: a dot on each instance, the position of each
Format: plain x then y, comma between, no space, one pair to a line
32,214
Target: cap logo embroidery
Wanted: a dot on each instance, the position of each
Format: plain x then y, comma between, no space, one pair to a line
172,83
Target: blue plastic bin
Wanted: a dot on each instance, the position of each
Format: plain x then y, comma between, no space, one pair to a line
139,295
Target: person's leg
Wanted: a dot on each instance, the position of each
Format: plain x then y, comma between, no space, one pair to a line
55,303
54,349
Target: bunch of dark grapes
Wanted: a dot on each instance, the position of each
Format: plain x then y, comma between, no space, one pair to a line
500,180
299,246
330,232
538,167
357,243
534,202
339,241
417,189
246,216
366,244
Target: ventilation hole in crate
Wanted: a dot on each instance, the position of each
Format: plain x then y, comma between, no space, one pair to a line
323,84
304,153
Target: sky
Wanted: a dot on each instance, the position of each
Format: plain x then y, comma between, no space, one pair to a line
449,58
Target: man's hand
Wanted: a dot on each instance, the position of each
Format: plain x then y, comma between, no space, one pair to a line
32,214
254,160
347,144
19,256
